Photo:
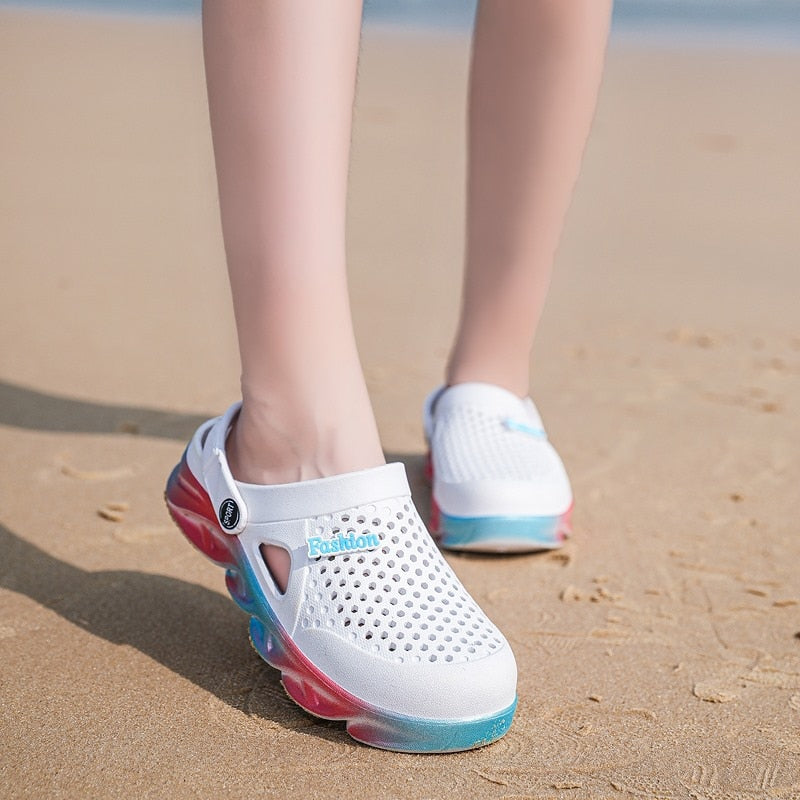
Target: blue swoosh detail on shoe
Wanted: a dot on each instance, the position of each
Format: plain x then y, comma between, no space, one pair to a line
513,425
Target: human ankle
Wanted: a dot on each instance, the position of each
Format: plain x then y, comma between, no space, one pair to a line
514,381
500,362
273,442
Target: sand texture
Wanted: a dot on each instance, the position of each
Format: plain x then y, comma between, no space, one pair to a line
659,652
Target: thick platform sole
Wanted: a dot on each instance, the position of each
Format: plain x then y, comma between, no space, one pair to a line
311,689
499,534
496,534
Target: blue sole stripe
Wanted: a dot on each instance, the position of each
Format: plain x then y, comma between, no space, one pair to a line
463,532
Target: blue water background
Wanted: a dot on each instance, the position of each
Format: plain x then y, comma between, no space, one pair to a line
711,21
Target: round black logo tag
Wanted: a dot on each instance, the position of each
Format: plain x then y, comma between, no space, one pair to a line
229,514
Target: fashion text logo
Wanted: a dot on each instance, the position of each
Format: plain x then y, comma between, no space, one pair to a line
317,546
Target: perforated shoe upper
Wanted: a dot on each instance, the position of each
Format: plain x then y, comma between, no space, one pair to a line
370,599
491,455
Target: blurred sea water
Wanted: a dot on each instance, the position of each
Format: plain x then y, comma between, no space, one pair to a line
754,22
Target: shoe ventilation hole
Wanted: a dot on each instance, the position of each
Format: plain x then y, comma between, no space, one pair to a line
471,445
401,601
277,555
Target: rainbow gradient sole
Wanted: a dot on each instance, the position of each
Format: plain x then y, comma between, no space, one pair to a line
313,691
496,534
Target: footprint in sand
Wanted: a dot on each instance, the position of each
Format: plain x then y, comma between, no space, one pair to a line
96,474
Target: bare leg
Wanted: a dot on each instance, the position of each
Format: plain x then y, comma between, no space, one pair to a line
536,70
281,78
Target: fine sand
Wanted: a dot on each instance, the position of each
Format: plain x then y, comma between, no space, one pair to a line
659,652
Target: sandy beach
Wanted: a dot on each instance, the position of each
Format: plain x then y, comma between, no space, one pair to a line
659,652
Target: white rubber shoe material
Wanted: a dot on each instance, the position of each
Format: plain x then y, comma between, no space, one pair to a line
381,633
498,485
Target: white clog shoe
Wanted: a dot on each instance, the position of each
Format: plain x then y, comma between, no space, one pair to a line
498,485
374,627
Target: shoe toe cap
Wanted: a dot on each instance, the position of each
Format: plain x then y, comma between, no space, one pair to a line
423,685
508,498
